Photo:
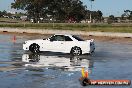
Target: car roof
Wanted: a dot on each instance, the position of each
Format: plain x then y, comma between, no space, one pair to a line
64,34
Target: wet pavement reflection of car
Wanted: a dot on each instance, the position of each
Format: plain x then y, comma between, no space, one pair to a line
65,63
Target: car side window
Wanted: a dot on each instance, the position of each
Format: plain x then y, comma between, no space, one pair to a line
57,38
60,38
67,38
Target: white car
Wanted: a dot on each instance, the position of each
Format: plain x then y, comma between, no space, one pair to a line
61,43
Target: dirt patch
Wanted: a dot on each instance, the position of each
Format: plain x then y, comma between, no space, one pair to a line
110,39
11,65
124,40
9,68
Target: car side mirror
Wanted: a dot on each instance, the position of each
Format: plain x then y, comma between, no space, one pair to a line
48,39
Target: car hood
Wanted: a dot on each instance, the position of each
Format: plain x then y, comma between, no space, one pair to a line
35,41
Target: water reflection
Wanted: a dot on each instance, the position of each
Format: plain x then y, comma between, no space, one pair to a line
57,62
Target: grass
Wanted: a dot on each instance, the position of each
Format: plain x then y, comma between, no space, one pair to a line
9,20
123,28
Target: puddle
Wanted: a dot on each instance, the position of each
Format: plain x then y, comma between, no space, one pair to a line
55,70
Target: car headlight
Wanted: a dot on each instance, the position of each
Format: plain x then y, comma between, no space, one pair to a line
25,42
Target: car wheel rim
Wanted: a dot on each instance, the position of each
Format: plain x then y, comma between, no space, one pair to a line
35,49
76,51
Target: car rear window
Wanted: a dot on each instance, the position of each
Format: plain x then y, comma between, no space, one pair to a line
77,38
67,38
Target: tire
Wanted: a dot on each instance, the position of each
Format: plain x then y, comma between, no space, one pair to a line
34,48
76,51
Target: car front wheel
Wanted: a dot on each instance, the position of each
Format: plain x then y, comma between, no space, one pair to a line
75,51
34,48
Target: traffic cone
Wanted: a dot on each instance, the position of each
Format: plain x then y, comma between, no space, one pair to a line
14,39
83,72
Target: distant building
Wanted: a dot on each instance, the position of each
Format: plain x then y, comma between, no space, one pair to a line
106,19
23,18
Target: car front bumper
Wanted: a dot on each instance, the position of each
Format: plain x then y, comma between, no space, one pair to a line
25,47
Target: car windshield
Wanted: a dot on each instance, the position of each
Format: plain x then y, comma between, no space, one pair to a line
77,38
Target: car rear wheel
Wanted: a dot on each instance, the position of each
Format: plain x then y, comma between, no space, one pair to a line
75,51
34,48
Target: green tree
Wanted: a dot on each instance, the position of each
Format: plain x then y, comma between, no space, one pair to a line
97,15
33,7
127,15
0,14
111,19
3,13
58,9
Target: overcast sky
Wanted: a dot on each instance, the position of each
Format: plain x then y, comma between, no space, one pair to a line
108,7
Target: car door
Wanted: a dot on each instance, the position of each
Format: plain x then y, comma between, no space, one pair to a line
67,44
56,43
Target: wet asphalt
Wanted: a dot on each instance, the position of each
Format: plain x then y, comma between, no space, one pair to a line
20,69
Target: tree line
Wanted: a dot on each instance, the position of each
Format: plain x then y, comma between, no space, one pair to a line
3,13
61,11
124,18
56,10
